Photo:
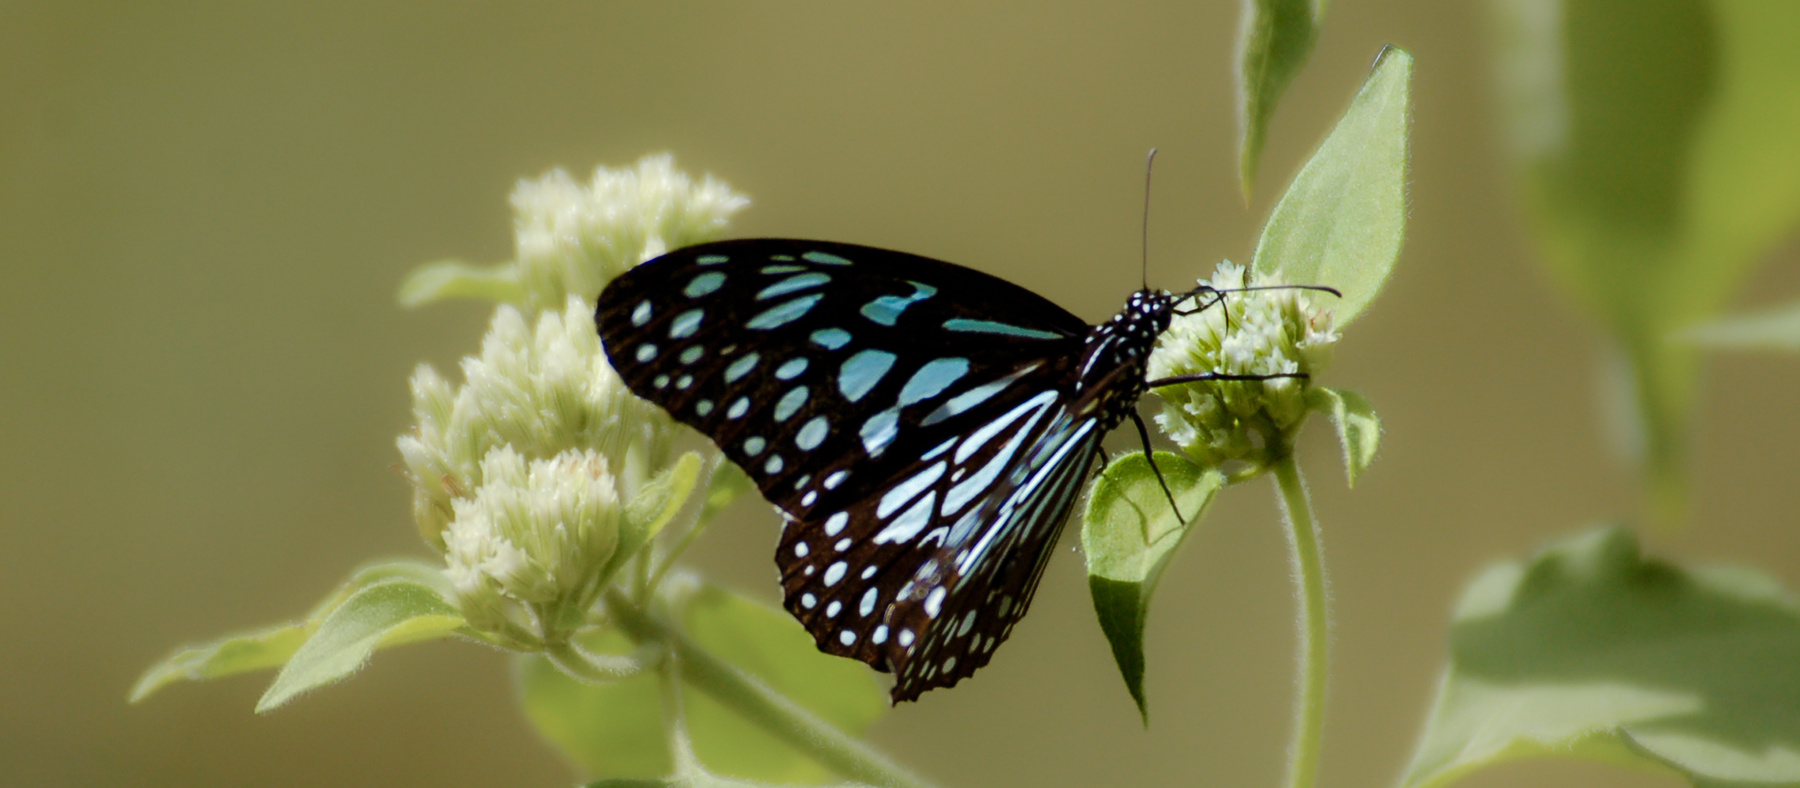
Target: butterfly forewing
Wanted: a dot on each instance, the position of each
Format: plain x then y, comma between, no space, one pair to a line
924,429
796,357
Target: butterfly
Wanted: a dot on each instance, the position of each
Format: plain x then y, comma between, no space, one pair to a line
923,428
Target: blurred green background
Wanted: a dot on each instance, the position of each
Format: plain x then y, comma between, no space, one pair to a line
205,211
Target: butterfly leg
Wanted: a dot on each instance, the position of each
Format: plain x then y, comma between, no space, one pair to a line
1144,435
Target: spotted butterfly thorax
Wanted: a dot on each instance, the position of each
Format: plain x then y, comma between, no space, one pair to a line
923,428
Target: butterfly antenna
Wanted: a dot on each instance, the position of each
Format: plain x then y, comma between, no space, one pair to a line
1144,435
1144,246
1314,288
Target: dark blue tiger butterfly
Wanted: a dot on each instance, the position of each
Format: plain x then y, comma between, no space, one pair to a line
923,428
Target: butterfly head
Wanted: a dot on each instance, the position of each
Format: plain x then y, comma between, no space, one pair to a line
1130,334
1118,351
1148,313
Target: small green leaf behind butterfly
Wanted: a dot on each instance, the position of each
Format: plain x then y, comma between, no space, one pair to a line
1129,533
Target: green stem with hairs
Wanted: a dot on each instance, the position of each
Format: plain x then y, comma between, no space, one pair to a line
750,698
593,668
1313,620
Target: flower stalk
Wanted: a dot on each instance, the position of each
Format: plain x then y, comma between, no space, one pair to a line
1313,620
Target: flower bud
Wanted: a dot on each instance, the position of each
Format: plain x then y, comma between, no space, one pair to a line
541,392
574,239
536,533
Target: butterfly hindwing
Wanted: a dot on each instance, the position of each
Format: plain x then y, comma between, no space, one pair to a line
949,547
941,597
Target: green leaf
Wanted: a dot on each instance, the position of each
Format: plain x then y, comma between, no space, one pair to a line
1341,222
1656,147
388,613
1592,651
610,729
456,279
699,780
616,730
271,646
1129,533
769,644
239,653
728,482
654,506
1273,43
1358,428
1774,329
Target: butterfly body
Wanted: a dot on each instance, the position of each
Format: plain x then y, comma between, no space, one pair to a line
923,428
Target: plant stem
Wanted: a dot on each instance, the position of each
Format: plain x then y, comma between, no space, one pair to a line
756,702
591,668
681,748
1314,624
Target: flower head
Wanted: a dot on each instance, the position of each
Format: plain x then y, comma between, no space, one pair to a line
1263,332
538,533
539,392
542,472
573,238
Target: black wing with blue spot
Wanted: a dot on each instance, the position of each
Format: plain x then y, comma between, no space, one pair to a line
918,424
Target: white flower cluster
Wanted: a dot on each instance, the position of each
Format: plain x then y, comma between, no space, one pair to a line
574,239
525,476
535,540
540,393
1262,332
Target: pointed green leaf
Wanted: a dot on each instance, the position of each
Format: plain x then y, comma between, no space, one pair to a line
728,483
229,655
1342,220
385,614
1774,329
456,279
661,498
270,647
616,729
1129,533
654,506
1592,651
1273,43
426,573
1358,428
